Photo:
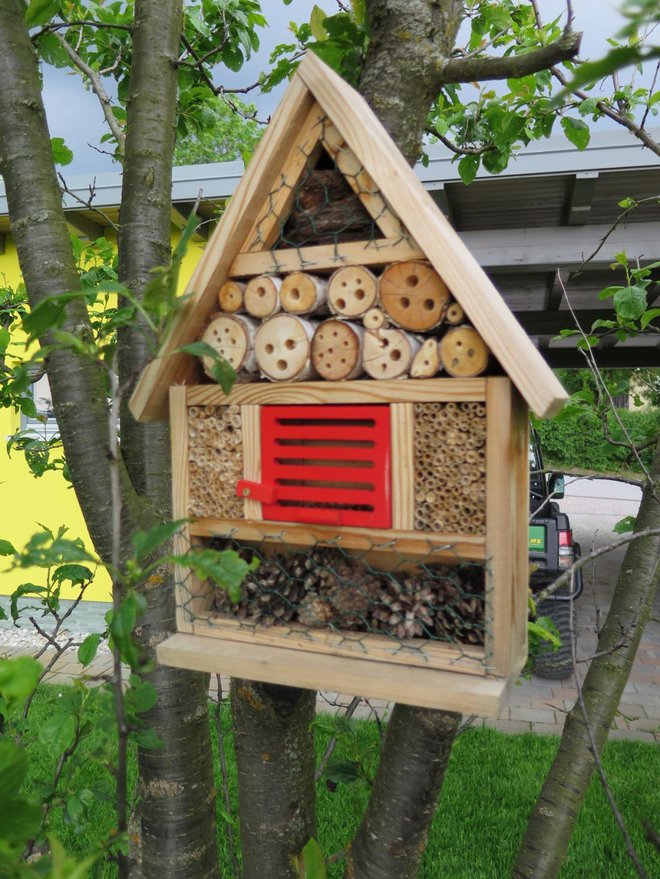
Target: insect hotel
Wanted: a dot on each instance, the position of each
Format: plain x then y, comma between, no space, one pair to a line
373,453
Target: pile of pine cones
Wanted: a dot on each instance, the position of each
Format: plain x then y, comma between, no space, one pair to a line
325,588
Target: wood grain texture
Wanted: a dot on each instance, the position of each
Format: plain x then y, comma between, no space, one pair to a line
406,195
415,653
149,400
251,426
375,252
409,391
431,688
402,424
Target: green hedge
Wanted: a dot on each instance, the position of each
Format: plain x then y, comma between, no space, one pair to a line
577,441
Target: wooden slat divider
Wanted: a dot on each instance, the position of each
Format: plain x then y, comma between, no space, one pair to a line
251,426
402,420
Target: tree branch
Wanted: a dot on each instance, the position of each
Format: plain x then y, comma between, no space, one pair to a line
488,67
455,148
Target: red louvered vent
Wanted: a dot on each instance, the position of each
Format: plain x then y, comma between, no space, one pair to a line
326,464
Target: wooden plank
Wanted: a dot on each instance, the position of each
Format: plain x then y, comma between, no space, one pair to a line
180,477
520,442
376,252
402,424
429,546
425,687
428,654
305,149
501,472
415,208
410,390
251,428
149,400
361,184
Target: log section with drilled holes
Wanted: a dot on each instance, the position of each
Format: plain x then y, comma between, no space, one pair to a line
426,362
231,296
375,319
450,467
215,455
463,352
352,291
304,294
262,296
414,295
388,353
232,336
337,350
282,346
454,313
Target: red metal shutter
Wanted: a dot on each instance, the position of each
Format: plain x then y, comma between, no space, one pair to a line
326,464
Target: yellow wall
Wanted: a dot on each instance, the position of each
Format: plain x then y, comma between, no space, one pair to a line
25,500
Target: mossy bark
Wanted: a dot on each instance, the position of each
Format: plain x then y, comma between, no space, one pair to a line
551,825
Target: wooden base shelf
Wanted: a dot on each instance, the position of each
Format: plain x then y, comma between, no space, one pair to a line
425,687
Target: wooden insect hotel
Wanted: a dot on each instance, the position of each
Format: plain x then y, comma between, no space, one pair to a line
373,452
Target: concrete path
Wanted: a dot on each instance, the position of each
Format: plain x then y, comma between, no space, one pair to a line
535,704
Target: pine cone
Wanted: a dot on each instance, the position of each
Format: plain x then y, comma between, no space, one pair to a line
315,611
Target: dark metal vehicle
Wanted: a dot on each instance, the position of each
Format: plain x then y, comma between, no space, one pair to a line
552,550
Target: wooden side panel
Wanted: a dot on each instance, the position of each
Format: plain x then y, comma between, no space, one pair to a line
407,197
281,393
431,688
520,441
378,251
179,444
251,421
149,400
403,466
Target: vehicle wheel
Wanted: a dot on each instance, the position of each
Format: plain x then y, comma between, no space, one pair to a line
559,664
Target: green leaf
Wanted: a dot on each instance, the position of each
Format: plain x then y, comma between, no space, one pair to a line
64,867
147,738
467,168
226,568
88,648
6,548
624,525
225,375
316,20
310,863
20,592
18,677
143,694
630,302
73,573
576,131
19,820
590,71
13,768
41,11
609,291
145,542
57,733
343,772
62,155
648,316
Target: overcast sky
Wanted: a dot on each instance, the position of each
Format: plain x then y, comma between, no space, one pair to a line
74,113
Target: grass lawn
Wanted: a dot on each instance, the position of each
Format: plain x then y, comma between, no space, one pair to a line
490,788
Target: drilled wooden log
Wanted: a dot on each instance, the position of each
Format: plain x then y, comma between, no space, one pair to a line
375,319
262,296
304,294
389,353
232,336
426,362
454,313
463,352
231,296
337,350
282,348
413,295
352,291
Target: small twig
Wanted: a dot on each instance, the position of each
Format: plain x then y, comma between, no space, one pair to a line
651,93
61,25
332,744
87,204
225,780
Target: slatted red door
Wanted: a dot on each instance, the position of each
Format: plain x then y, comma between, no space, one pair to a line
326,465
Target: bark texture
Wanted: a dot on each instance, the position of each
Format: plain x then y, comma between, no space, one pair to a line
550,828
274,741
392,837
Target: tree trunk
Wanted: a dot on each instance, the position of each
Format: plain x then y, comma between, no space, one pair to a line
555,813
274,741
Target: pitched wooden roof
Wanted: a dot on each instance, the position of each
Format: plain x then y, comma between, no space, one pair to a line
399,202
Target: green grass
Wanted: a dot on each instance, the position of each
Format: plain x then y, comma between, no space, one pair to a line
490,788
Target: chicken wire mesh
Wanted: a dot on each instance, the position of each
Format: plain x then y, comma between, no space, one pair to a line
331,594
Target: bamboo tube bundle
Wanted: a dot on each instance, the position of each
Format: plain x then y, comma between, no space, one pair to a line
463,352
282,347
454,313
388,354
304,294
231,297
232,336
352,291
262,296
426,362
414,295
215,458
337,350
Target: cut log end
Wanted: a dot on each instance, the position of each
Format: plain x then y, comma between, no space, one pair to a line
282,347
352,291
413,295
454,313
337,350
463,352
426,362
231,296
375,319
388,353
262,296
303,294
231,336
